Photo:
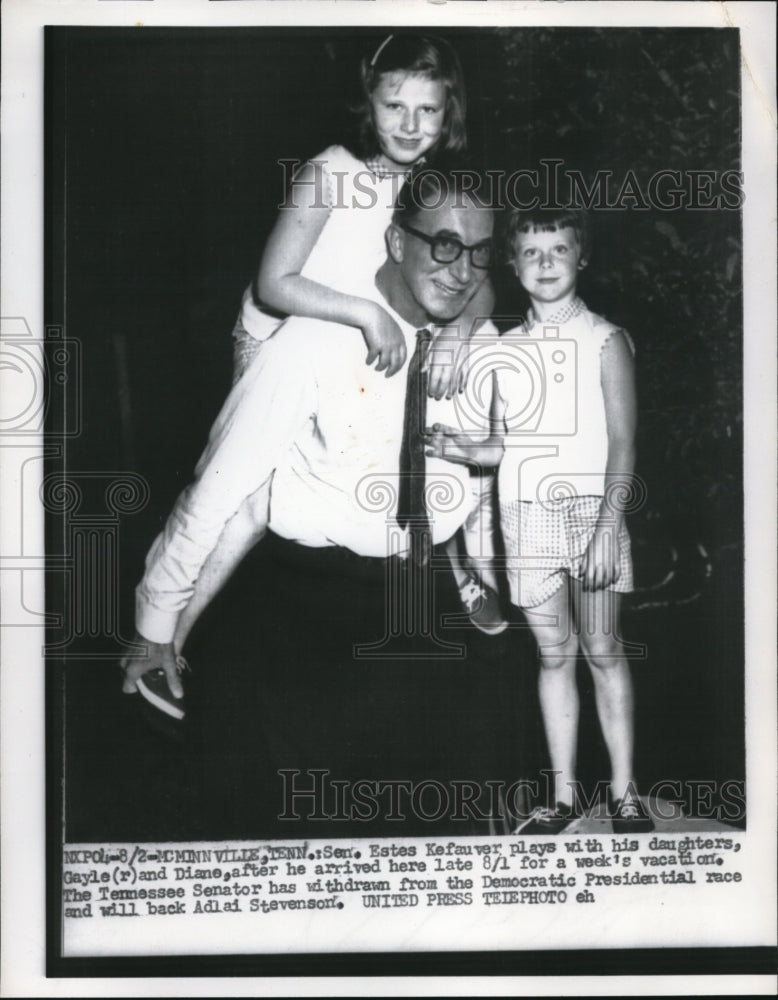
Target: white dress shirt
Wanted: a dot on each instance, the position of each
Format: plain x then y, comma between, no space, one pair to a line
309,408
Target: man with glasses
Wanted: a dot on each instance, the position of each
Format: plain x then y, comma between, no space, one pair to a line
327,681
447,249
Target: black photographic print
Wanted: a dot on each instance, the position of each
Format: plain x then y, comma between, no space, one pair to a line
310,711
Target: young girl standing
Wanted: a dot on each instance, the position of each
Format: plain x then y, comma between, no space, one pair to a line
330,237
563,485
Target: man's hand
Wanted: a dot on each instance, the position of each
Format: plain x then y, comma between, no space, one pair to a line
385,341
447,375
451,444
600,564
160,656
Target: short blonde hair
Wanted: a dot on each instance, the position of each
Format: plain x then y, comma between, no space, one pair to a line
415,55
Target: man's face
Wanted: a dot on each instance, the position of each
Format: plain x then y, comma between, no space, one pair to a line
443,290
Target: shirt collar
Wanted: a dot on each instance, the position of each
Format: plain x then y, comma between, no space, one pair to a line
382,173
562,315
409,329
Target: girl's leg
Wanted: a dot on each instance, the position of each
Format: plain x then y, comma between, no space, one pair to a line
455,558
598,617
552,627
478,530
475,573
241,533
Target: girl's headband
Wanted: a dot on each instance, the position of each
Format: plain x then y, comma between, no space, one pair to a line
380,49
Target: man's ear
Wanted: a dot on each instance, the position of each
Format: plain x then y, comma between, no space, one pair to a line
582,263
395,243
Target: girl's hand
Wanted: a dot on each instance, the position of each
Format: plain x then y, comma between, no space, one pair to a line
600,565
385,342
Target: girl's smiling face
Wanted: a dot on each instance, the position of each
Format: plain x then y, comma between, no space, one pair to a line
408,115
547,264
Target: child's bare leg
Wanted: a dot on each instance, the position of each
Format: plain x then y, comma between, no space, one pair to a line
241,533
455,558
478,530
558,646
598,614
475,573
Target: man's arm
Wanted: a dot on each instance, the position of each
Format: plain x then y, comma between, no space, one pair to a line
259,422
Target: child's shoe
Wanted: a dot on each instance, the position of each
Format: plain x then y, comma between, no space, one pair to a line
548,822
482,604
629,815
153,686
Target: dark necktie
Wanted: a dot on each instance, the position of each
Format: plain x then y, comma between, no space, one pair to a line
411,510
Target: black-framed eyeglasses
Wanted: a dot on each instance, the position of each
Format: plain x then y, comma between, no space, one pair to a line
447,249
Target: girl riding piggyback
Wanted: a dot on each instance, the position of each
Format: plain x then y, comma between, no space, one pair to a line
329,236
329,239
